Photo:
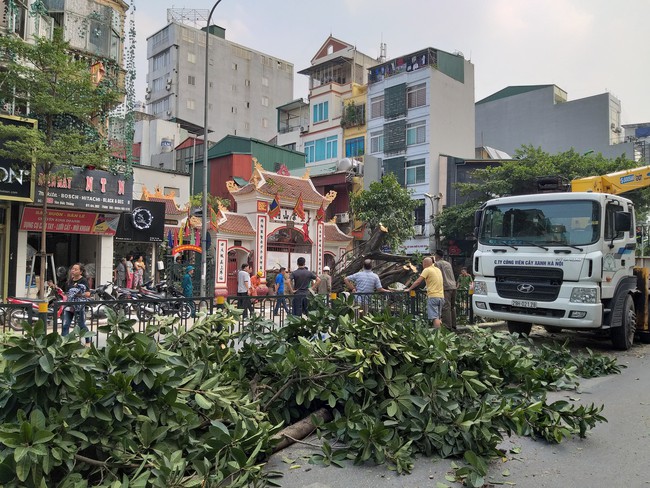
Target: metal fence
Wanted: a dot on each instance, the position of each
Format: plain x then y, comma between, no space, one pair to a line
271,308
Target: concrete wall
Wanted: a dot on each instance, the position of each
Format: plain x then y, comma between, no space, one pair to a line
151,134
144,176
534,118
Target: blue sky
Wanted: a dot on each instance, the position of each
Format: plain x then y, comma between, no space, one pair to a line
586,47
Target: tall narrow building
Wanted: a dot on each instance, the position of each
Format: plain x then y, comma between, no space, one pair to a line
421,114
244,85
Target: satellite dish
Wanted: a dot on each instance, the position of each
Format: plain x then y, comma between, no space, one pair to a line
345,164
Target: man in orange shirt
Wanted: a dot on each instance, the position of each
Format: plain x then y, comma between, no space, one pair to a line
432,277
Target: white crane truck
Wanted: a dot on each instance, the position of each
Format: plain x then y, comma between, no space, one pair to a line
564,260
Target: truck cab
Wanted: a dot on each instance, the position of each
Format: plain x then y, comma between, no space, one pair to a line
561,260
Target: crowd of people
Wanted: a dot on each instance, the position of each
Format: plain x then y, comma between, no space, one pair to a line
437,275
129,273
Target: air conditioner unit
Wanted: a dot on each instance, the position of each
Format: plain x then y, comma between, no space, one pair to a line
147,96
304,128
169,112
169,81
418,230
343,218
148,90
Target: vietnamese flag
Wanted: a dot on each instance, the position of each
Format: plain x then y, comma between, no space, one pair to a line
320,213
299,209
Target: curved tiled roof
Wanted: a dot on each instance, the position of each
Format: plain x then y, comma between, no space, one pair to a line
170,206
235,224
333,233
288,188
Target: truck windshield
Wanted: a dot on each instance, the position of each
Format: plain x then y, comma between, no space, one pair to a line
561,223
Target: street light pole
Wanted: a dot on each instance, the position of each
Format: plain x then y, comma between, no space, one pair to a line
433,231
204,216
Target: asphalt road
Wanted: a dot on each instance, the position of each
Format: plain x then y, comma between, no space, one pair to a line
614,454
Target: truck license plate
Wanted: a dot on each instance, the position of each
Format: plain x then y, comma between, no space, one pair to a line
524,303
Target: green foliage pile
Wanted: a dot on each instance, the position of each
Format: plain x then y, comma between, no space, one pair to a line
398,390
137,413
170,407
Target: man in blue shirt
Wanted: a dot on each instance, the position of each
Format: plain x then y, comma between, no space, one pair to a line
363,283
188,288
281,301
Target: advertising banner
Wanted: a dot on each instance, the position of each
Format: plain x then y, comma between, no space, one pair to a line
144,223
70,222
87,189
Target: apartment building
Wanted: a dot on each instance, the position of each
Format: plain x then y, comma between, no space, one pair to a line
420,115
543,116
244,85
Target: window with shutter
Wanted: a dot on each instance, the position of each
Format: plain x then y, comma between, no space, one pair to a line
416,96
395,136
377,107
377,142
415,172
416,133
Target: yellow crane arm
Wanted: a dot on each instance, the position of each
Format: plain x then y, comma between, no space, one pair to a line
614,183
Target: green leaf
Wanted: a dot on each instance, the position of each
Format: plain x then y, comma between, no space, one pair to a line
42,436
391,409
202,402
47,363
23,468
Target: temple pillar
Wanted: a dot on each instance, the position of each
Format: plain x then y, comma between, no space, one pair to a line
221,274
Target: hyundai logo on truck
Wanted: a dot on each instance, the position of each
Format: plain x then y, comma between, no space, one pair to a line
525,288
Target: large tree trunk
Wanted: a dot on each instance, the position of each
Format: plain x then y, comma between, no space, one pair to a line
391,268
300,429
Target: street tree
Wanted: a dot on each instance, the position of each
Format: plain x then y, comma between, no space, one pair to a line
519,176
387,203
55,87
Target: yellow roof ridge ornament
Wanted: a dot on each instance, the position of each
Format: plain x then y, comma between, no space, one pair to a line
331,195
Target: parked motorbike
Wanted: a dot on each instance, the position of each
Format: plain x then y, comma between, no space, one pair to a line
102,293
30,312
161,303
124,297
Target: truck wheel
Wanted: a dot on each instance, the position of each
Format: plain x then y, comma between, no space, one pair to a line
552,329
623,335
519,327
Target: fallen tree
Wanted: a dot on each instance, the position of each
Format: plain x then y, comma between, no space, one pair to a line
176,407
391,268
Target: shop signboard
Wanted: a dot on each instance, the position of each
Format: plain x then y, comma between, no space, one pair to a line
145,222
16,182
70,221
87,189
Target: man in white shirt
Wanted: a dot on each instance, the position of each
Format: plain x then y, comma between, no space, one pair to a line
243,289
